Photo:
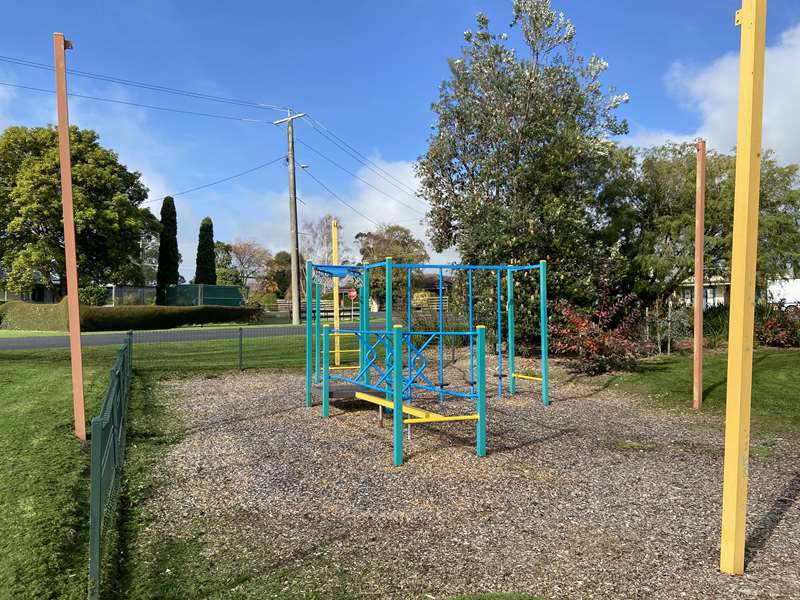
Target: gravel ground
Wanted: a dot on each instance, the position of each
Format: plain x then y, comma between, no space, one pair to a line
596,496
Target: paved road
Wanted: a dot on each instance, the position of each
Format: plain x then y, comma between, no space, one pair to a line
165,335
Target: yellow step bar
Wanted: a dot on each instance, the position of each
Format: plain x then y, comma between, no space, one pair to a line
418,415
527,377
442,419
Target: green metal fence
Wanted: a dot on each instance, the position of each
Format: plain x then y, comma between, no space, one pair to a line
189,294
107,456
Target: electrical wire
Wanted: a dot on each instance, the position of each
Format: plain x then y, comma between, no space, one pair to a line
218,181
147,86
364,181
359,157
139,105
335,195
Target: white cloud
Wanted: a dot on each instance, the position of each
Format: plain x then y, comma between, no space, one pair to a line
712,91
393,206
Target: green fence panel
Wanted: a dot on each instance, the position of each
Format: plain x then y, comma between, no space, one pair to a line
190,294
107,456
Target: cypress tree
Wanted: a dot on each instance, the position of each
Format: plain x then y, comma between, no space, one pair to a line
206,268
168,256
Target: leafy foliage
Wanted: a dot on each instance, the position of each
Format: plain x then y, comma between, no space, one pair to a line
519,151
226,273
779,326
93,295
205,265
109,222
399,243
168,256
605,337
53,317
281,270
649,216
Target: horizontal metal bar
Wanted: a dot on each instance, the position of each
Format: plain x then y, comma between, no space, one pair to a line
407,408
528,377
342,367
447,392
441,419
465,267
345,351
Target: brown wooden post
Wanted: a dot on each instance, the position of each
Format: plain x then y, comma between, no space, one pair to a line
699,278
59,47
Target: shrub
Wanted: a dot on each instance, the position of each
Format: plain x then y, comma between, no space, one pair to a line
93,295
53,317
579,334
16,314
779,326
120,318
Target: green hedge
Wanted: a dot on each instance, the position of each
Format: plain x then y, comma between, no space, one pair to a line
53,317
16,314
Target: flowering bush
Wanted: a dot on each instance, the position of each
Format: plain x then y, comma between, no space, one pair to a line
779,326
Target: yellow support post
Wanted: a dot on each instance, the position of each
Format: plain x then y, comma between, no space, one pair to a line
337,358
752,19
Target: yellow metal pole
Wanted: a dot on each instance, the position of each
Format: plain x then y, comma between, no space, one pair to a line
699,277
337,355
752,19
73,308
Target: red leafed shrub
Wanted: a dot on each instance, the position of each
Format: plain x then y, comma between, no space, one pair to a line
779,326
602,338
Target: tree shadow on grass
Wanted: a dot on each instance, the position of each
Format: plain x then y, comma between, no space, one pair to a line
769,522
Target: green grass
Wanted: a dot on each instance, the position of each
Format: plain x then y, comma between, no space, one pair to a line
24,333
776,381
44,480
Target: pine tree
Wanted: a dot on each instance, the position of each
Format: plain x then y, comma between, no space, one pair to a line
168,256
206,269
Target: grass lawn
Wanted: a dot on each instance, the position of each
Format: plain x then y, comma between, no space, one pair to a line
44,482
776,385
23,333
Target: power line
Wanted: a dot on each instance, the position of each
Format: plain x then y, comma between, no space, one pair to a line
358,156
364,181
139,105
143,85
218,181
335,195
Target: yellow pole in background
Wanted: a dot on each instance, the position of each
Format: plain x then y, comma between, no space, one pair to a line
752,19
335,251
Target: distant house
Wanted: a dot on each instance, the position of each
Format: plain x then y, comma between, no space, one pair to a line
716,292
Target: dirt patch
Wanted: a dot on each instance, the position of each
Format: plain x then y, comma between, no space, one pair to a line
596,496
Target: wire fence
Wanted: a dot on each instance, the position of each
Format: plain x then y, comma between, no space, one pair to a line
107,457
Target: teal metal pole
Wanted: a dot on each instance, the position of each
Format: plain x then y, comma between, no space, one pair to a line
309,318
397,392
480,430
362,312
365,328
317,329
499,334
388,315
512,359
326,369
96,501
543,331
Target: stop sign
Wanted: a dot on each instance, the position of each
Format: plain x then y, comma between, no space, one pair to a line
352,293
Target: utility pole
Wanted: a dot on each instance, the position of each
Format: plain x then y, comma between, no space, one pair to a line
699,278
752,18
60,45
295,246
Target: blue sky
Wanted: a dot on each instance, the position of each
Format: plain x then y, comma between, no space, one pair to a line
366,70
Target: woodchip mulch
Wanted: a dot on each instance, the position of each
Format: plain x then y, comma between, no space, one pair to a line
596,496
